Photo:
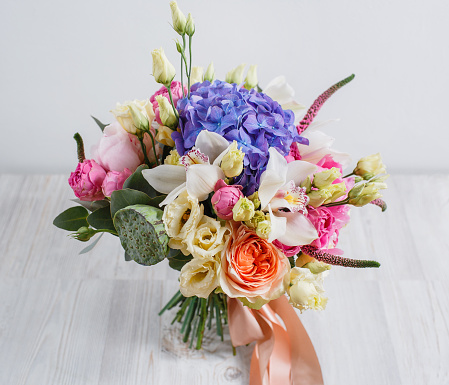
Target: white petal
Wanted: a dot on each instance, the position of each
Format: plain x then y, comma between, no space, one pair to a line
173,195
299,230
211,144
279,90
201,179
298,170
278,226
165,178
341,157
272,178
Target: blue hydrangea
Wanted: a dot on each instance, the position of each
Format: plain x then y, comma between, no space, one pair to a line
251,118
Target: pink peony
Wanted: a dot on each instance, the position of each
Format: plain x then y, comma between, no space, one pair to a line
225,198
328,221
176,91
118,150
114,181
289,251
86,181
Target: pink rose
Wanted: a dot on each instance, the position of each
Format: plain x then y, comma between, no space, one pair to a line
289,251
118,150
225,198
328,221
114,181
86,181
176,91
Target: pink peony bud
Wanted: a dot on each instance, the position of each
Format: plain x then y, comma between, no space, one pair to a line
114,181
289,251
225,198
86,181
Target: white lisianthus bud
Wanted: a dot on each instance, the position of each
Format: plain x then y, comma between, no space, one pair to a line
210,73
232,162
166,113
325,178
178,18
163,70
370,166
263,229
236,75
135,116
190,25
251,77
197,75
243,210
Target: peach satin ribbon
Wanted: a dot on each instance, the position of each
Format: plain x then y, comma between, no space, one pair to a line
281,356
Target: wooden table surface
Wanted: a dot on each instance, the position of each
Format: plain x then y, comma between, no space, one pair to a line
92,319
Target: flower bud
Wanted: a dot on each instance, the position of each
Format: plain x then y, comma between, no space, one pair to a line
210,73
178,18
263,229
166,113
317,267
370,166
190,25
258,217
84,234
164,136
236,75
255,199
317,197
364,193
197,75
179,47
251,77
173,158
232,162
134,116
325,178
306,290
336,190
163,70
243,210
307,184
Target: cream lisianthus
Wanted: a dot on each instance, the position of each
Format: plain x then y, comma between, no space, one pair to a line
181,217
196,75
199,277
306,289
370,166
232,162
164,136
163,70
134,116
208,239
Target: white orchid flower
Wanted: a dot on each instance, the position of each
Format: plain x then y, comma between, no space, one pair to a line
279,189
199,171
280,91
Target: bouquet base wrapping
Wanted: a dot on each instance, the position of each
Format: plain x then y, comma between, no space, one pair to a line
282,355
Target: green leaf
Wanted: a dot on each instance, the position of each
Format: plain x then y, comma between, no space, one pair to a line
91,206
177,260
127,197
136,181
72,219
101,125
128,257
101,219
91,246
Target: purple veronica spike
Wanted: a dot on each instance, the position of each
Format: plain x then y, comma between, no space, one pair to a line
318,103
380,203
337,260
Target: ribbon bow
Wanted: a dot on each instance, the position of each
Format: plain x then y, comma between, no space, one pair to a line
281,355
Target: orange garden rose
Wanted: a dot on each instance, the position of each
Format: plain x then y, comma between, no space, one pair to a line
252,269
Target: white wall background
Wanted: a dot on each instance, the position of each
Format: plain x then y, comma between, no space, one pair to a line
64,60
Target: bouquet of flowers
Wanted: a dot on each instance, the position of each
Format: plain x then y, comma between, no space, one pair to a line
233,184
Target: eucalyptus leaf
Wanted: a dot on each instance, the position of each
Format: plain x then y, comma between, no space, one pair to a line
128,257
101,219
91,246
136,181
92,206
72,219
127,197
177,260
101,125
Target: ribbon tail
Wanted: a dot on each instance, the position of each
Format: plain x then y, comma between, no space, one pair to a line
306,369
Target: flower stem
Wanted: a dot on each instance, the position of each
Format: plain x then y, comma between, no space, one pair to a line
339,203
154,147
144,150
347,176
190,66
172,102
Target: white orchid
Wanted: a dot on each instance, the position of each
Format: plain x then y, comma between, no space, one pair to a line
279,189
199,171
